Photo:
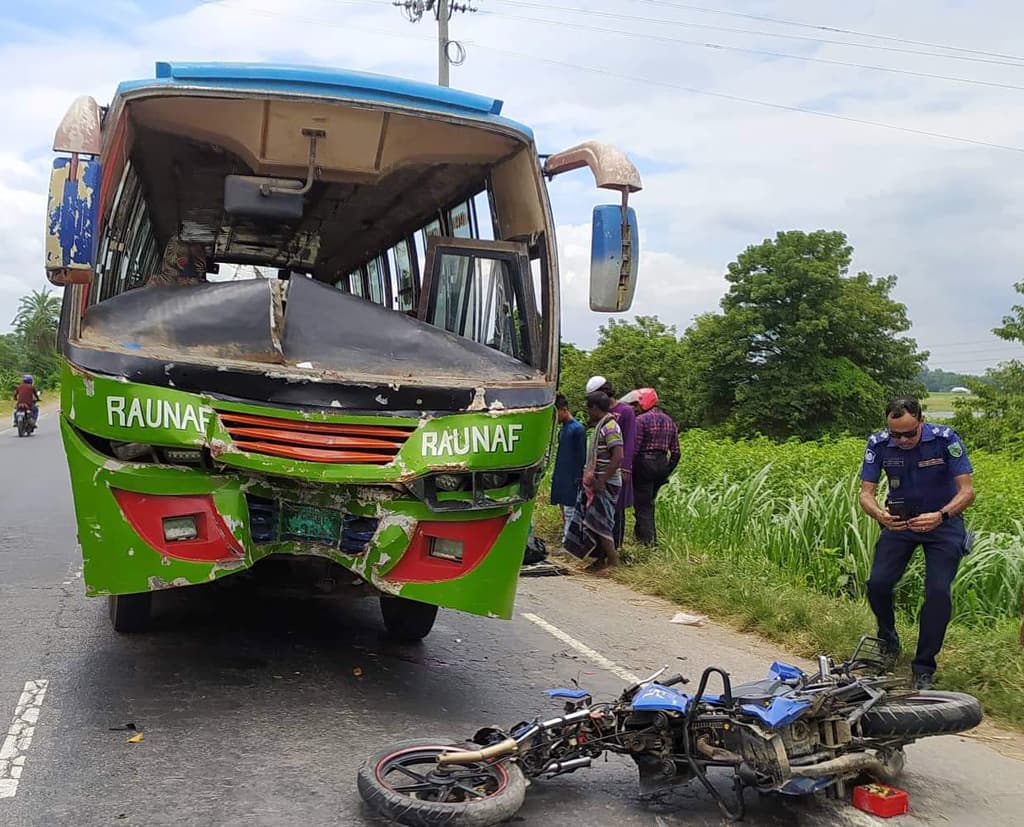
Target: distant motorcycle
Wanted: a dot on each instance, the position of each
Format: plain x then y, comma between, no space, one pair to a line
24,421
791,733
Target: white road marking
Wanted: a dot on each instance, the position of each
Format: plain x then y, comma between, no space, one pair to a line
583,649
15,746
73,573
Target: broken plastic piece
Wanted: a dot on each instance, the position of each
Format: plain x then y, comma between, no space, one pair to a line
136,739
688,620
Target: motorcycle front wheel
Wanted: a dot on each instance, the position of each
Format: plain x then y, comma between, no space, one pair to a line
926,712
405,783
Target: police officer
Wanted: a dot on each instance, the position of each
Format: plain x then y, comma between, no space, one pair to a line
930,487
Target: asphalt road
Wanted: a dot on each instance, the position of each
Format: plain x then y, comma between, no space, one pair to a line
257,707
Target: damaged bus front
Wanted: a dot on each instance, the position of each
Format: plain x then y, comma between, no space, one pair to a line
312,314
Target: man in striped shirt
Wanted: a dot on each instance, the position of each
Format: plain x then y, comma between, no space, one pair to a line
657,455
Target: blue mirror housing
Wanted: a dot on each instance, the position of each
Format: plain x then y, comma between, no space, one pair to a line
614,256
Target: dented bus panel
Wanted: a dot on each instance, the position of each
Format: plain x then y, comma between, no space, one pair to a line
314,316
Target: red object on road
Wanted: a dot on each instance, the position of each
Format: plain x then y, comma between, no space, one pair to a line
881,800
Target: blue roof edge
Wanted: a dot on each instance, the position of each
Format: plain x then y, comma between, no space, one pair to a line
341,83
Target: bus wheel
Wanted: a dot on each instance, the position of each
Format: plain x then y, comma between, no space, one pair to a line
130,612
407,620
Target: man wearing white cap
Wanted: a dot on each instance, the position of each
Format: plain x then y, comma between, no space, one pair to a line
626,417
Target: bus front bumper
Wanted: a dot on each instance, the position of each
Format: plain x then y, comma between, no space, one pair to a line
144,527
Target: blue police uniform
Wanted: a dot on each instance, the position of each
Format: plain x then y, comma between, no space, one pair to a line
922,480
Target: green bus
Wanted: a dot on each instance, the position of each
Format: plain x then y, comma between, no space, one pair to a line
312,316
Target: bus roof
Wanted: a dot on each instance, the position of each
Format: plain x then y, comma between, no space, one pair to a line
325,82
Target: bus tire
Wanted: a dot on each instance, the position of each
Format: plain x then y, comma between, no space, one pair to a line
130,612
407,620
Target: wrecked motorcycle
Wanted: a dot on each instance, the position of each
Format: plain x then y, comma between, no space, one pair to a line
792,733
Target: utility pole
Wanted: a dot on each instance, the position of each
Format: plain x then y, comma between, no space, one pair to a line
449,52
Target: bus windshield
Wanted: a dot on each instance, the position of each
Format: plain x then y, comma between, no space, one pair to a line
412,227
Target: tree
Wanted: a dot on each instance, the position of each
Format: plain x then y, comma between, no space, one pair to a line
941,381
35,325
801,347
994,418
643,353
573,374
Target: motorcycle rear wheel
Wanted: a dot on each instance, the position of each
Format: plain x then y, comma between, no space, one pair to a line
402,783
924,713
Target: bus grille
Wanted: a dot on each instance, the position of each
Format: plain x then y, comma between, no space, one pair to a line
311,441
272,521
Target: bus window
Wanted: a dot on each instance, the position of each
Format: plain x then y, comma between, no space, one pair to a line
375,277
482,207
355,284
461,221
406,294
484,291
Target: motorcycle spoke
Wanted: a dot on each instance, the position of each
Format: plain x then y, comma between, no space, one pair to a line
471,791
415,788
412,774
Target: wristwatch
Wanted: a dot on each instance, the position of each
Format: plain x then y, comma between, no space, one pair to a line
945,516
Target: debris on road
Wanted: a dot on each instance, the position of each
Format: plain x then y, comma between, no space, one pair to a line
543,570
136,739
684,619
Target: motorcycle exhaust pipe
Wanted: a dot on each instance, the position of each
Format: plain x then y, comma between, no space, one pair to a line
556,767
846,765
506,747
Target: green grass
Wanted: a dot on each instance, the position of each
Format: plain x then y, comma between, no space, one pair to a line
771,539
940,403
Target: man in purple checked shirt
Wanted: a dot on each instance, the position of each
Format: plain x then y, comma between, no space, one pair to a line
626,418
657,455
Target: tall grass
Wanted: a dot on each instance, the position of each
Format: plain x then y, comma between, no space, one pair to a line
818,536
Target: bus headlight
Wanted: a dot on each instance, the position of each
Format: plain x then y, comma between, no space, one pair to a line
449,482
128,451
494,480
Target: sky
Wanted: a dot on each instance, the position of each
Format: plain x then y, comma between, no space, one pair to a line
704,98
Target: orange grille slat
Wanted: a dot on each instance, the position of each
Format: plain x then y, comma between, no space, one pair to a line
315,427
328,442
316,440
311,454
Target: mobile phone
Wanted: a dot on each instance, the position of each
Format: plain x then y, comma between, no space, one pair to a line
899,509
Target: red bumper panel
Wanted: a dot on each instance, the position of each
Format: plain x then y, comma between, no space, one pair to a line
146,514
418,565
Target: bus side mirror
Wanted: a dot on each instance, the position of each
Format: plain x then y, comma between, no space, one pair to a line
614,255
71,216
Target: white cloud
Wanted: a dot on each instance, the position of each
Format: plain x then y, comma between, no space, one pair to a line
669,287
719,174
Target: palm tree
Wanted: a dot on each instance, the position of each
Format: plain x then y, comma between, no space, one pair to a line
36,322
36,325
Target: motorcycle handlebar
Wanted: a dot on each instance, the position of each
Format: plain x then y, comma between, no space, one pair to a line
672,681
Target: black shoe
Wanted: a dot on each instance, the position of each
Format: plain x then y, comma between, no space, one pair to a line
890,650
923,680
